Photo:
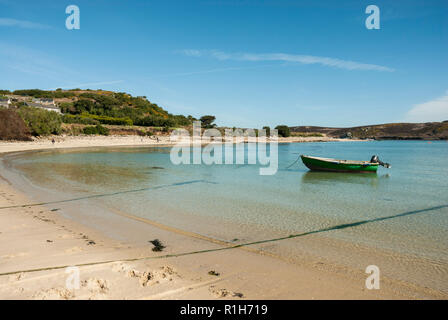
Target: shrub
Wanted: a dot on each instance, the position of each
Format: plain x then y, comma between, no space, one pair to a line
180,120
307,134
41,122
86,118
36,93
69,118
111,120
155,121
283,131
12,126
67,107
83,105
98,129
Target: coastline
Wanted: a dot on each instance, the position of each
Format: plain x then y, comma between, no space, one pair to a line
65,142
112,276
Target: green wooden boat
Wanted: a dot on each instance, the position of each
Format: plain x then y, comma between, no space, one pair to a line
334,165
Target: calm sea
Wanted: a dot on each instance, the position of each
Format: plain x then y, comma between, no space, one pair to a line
396,218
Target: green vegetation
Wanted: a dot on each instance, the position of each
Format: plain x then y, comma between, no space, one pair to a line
268,130
70,118
283,131
41,122
207,121
306,134
36,93
120,109
97,107
98,129
155,121
107,120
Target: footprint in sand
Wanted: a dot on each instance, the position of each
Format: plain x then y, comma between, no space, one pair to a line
222,293
147,277
19,290
16,277
54,294
130,272
119,267
96,286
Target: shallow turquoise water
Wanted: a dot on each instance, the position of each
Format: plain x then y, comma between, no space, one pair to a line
234,202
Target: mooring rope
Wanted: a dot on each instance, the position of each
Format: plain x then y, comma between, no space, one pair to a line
336,227
105,194
293,163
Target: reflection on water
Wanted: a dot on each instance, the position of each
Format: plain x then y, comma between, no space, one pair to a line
322,177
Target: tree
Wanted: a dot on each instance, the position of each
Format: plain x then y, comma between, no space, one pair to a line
207,121
268,130
283,131
83,105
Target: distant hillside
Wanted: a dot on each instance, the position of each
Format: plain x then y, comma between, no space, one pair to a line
73,112
81,106
389,131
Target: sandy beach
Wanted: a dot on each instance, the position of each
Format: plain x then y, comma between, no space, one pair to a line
37,244
62,142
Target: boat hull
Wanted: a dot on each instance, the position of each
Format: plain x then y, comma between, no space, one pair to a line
333,165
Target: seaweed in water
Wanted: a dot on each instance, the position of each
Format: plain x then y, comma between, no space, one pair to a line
158,246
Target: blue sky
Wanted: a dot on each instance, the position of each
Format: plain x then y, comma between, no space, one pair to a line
250,63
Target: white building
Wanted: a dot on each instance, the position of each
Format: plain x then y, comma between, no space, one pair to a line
5,102
44,101
48,107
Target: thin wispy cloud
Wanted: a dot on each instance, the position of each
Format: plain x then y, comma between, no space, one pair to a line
430,111
180,74
9,22
284,57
